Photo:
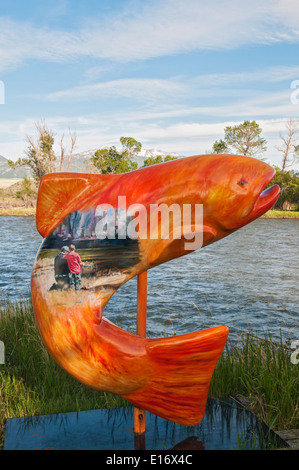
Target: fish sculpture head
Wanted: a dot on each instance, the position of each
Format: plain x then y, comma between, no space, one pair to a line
235,191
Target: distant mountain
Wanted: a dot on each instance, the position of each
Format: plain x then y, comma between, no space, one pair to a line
7,172
78,163
146,153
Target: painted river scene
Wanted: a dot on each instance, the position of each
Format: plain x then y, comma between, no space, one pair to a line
247,281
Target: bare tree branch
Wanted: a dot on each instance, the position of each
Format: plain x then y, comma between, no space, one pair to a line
62,153
289,144
73,143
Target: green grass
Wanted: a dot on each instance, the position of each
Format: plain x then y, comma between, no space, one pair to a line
278,214
260,369
31,383
18,211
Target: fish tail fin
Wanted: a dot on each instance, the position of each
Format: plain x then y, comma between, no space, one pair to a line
182,368
59,193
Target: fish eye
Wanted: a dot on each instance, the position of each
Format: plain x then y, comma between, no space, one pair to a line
242,182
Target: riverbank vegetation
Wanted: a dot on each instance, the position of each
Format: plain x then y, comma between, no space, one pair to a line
31,383
19,198
31,212
280,214
288,181
18,212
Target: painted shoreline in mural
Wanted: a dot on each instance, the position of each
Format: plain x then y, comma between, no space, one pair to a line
170,376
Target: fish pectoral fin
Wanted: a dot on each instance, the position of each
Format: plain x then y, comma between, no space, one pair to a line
189,239
60,193
182,368
202,234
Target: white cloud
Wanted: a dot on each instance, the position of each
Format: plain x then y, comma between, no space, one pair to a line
269,75
166,96
154,29
21,41
138,88
259,105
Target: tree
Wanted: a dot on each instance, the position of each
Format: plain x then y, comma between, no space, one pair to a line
40,154
158,159
289,187
73,138
111,161
27,192
168,158
220,146
130,146
289,147
243,138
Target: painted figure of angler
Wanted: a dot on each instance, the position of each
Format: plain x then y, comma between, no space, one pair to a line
170,376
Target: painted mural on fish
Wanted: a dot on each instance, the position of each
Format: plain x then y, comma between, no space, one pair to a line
169,377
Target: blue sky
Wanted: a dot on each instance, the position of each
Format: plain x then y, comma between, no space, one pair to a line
171,74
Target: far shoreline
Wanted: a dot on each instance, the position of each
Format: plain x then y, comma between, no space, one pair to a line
18,212
31,212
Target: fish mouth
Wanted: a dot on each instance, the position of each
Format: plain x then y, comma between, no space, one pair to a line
267,196
265,201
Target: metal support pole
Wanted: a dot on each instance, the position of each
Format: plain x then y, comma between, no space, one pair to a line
141,303
139,414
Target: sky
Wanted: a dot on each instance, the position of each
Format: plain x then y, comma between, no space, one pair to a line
170,73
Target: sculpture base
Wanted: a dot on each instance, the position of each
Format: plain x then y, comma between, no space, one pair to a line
226,425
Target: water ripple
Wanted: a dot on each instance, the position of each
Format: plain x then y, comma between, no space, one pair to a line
248,279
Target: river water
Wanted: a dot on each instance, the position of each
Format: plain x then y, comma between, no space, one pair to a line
248,280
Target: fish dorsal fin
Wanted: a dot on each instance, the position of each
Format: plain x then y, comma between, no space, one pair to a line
62,193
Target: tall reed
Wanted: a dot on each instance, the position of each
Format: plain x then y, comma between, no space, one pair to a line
261,370
31,383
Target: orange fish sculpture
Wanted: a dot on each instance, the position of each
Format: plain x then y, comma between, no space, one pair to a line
169,377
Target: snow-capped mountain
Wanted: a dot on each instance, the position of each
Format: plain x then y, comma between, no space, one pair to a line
79,162
146,153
